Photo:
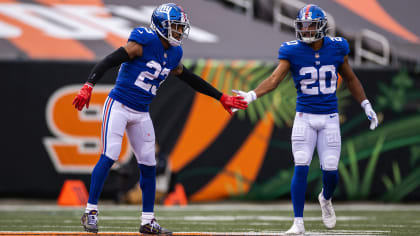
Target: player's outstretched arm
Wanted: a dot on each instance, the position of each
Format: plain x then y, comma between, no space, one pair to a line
201,86
122,54
267,85
356,89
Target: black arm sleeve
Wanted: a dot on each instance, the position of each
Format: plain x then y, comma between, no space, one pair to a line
199,84
114,59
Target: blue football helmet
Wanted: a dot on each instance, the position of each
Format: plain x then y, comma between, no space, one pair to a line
169,21
311,24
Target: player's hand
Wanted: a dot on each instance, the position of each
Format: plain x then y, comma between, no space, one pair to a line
370,113
83,97
230,102
248,96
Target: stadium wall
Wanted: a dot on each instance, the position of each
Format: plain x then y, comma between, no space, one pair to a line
214,156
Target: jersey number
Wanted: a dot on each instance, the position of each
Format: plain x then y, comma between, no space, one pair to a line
322,72
145,84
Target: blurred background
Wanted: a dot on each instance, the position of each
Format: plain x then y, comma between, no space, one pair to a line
47,48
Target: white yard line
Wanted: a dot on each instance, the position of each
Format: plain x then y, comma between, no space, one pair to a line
329,232
237,218
221,207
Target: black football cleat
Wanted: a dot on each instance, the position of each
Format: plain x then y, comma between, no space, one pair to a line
153,228
90,221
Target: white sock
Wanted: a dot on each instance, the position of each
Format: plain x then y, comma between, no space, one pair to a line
147,217
90,207
298,220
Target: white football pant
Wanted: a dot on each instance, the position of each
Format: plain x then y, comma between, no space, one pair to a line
320,130
118,118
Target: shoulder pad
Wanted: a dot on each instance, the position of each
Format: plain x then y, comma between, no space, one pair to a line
287,49
341,43
142,35
290,43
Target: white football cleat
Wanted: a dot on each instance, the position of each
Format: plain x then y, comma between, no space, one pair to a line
328,214
297,228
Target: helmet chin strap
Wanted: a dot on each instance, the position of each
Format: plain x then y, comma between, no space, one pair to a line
174,43
310,40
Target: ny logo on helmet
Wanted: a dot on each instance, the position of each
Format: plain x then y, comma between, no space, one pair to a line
164,9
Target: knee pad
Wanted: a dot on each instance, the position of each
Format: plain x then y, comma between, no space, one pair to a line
330,163
147,154
113,151
302,158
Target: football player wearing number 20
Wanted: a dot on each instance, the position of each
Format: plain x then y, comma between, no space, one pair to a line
314,61
149,56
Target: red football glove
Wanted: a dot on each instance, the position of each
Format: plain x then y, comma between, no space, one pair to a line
230,102
83,98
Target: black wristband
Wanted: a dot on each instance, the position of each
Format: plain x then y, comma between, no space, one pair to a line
114,59
199,84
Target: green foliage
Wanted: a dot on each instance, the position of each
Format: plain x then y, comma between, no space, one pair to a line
348,178
397,177
354,188
399,133
273,188
395,96
280,103
239,191
399,188
370,169
415,155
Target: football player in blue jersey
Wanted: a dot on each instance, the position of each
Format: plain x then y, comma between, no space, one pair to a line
149,56
314,61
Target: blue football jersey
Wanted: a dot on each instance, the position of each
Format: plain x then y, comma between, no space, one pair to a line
139,79
315,73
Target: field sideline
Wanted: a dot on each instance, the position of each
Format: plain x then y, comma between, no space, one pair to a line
17,218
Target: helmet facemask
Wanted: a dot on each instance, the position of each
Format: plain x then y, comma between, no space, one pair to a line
177,29
173,30
310,30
